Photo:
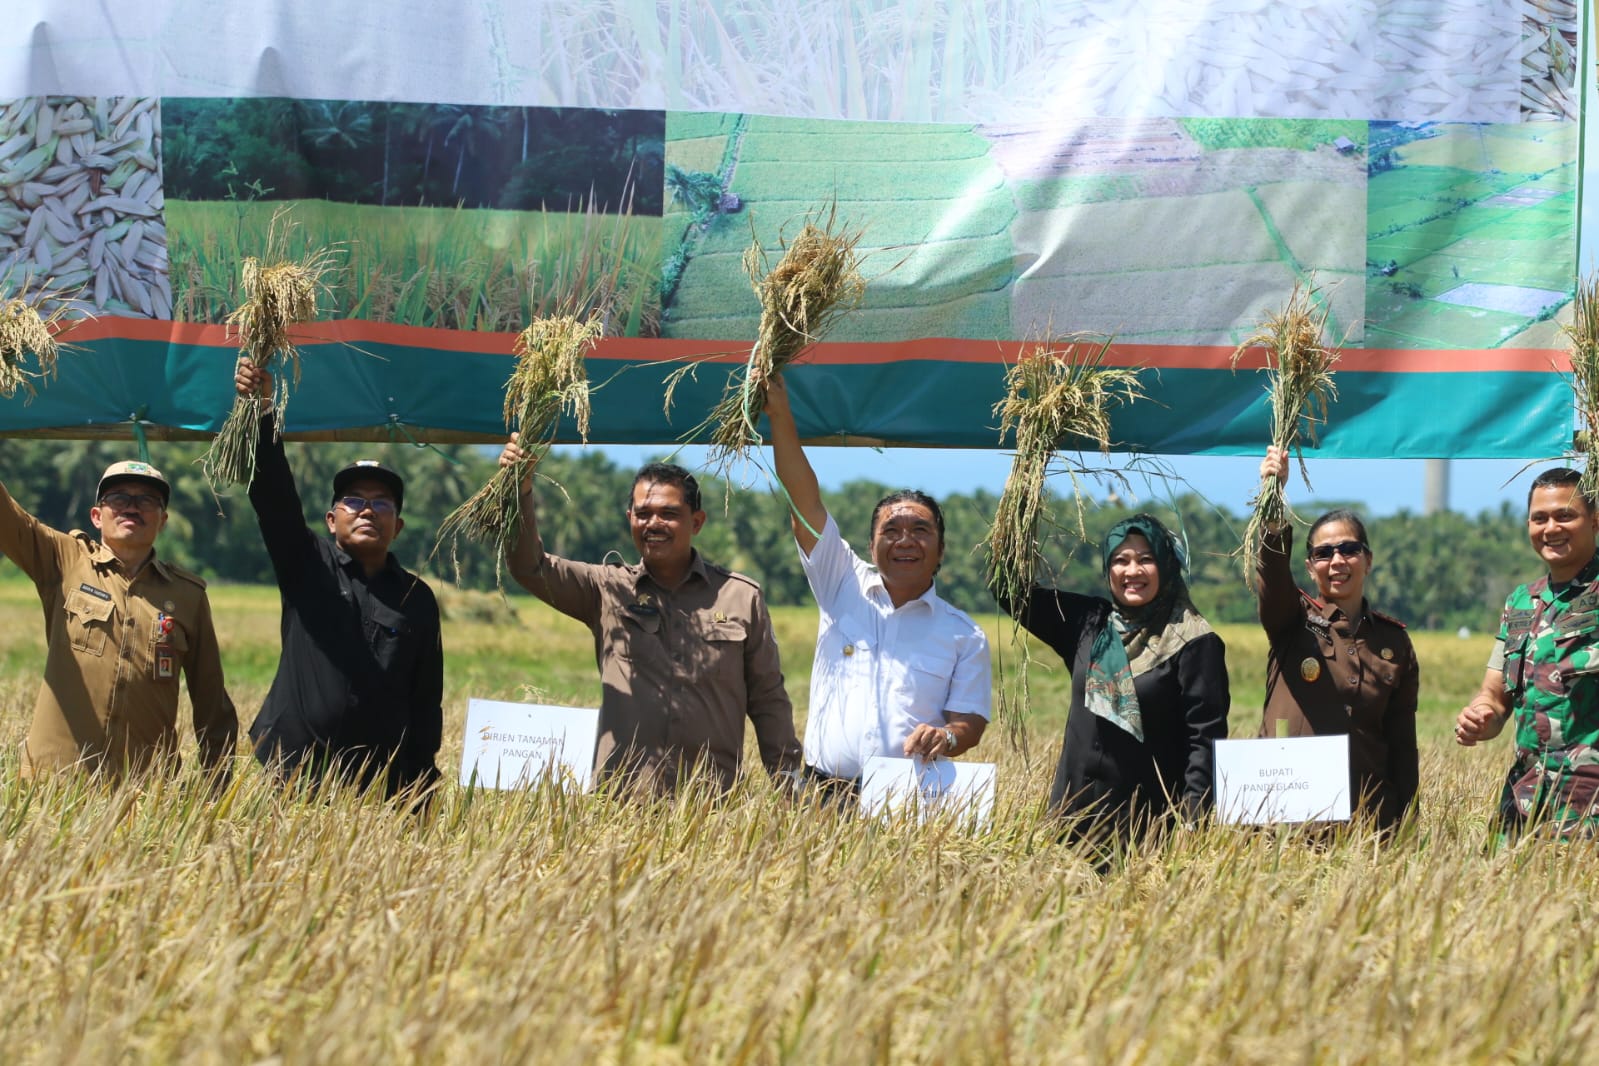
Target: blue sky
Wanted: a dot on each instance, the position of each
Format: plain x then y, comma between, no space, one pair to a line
1380,486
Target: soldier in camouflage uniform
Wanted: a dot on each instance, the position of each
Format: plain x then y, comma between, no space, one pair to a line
1543,670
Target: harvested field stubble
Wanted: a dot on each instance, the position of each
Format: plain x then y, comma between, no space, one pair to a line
141,925
570,929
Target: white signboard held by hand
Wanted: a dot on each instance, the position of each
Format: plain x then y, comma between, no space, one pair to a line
1291,779
513,745
938,788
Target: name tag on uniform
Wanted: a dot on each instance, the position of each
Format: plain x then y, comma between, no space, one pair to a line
165,661
91,590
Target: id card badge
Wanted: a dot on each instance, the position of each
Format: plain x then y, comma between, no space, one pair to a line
165,662
165,657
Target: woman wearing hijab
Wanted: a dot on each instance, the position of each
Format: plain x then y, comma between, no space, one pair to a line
1337,666
1149,687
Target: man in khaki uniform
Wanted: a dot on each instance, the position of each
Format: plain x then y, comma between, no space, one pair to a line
119,626
685,648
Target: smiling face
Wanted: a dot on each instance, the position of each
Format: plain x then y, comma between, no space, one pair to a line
1134,574
662,525
1562,529
129,529
1340,579
365,534
906,548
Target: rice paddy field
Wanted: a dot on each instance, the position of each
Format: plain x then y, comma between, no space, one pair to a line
146,924
1156,231
425,266
1472,204
933,206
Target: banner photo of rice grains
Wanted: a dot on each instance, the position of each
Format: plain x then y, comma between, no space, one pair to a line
82,207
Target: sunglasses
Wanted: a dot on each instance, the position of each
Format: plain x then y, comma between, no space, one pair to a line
121,501
356,504
1347,548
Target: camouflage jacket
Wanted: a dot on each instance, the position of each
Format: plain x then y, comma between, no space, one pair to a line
1551,642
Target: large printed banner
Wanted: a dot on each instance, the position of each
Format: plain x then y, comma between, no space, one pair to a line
1162,173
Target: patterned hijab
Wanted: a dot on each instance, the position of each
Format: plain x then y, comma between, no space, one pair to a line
1138,639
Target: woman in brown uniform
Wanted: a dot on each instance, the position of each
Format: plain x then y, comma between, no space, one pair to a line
1336,666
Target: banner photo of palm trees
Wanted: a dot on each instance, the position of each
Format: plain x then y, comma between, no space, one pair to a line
447,216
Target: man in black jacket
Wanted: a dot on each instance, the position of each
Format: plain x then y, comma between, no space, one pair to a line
360,682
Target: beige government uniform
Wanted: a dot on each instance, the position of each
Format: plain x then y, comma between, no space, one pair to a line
115,648
681,668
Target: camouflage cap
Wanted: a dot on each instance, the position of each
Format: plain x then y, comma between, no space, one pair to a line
134,470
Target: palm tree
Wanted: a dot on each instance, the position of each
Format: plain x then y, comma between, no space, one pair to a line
473,127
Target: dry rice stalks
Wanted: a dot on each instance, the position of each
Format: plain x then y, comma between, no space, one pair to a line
1299,383
1052,395
279,293
1583,333
25,331
815,283
550,378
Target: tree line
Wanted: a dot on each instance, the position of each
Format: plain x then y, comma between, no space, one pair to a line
1439,571
403,154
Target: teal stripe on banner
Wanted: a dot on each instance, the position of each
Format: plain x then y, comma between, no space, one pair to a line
188,389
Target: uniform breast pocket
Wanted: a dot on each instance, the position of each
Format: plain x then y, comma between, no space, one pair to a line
391,637
926,678
630,628
89,622
721,651
1578,653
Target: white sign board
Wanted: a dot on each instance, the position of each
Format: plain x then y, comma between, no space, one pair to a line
1292,779
512,745
936,789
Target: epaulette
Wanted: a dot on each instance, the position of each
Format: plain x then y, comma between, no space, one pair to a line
1315,610
733,574
184,575
1385,617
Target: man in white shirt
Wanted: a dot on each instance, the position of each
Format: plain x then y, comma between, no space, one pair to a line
898,671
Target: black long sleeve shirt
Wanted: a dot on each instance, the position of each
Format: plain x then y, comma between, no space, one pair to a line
1105,772
360,681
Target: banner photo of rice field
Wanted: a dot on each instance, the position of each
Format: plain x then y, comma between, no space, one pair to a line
1017,172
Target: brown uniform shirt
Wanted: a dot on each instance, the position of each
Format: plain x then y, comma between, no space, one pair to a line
1329,674
682,668
110,693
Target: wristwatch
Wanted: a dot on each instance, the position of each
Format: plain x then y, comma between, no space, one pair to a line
949,741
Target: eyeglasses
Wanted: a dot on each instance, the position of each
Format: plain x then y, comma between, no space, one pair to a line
121,501
356,504
1347,548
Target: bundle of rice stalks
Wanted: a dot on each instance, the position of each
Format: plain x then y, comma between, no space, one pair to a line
1299,382
279,293
26,331
1054,396
1583,333
815,282
550,378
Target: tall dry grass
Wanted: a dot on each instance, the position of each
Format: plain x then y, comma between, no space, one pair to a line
147,925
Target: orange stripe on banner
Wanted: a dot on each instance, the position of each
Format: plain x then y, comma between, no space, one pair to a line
636,349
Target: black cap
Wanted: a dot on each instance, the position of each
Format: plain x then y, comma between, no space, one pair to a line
370,470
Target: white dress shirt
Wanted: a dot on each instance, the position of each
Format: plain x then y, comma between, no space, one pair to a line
880,670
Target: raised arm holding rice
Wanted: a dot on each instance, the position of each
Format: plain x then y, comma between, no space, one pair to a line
684,647
898,671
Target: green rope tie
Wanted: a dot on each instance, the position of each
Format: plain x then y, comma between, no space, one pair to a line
139,436
399,429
